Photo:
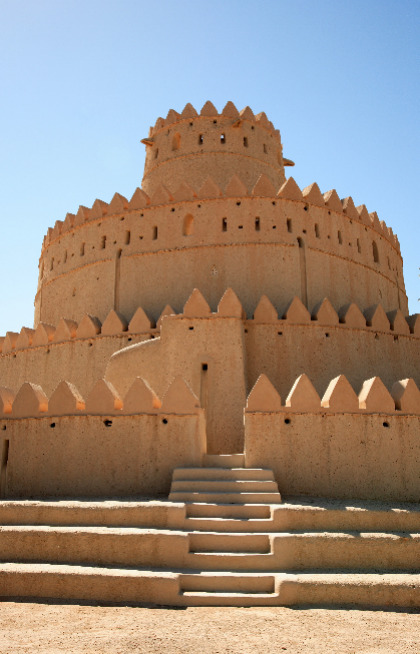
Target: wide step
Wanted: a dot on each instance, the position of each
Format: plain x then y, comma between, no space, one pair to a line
225,498
218,474
229,511
213,542
229,582
224,486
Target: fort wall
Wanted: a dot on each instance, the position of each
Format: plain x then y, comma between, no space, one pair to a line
274,245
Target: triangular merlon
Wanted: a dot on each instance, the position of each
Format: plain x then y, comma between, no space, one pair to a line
263,396
313,195
264,187
89,327
114,323
30,401
179,398
324,313
340,396
406,396
303,396
374,396
196,306
140,322
265,311
290,190
296,312
65,400
103,399
141,398
230,305
333,201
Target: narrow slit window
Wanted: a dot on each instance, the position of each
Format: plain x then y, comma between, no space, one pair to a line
264,148
200,139
317,230
176,141
359,249
245,141
289,225
257,224
65,256
300,242
82,250
188,227
155,233
127,237
224,225
52,264
157,153
375,252
222,138
340,238
103,242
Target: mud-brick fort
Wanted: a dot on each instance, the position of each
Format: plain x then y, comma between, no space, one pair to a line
219,401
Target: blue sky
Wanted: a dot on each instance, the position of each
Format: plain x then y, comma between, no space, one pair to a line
81,81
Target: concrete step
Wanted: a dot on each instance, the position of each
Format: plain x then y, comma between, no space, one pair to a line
236,512
91,583
196,598
224,460
227,582
224,486
213,542
226,498
218,474
222,525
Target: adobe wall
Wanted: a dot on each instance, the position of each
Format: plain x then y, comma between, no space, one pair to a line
283,351
274,245
322,454
209,353
99,456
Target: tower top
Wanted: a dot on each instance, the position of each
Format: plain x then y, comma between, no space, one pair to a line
192,146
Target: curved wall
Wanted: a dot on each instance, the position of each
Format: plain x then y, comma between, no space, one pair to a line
156,255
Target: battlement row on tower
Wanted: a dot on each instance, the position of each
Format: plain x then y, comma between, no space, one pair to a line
104,399
310,196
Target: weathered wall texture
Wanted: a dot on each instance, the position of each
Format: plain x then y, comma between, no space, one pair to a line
94,456
337,455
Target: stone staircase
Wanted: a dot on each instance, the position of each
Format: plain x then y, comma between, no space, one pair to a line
224,538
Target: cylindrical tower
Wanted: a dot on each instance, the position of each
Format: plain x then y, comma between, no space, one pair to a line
191,147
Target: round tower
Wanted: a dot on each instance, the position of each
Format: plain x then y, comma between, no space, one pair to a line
189,147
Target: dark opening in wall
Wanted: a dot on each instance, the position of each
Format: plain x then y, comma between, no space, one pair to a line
200,139
245,142
317,230
224,224
127,237
103,242
289,225
82,250
155,233
188,226
204,366
300,242
52,264
176,141
65,256
359,249
3,467
222,138
157,153
375,252
257,224
340,238
264,148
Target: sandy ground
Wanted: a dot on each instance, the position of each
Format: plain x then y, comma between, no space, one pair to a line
46,627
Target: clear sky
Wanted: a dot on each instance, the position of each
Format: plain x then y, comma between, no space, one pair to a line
82,80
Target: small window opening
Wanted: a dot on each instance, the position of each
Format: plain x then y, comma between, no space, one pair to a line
317,230
340,238
224,225
257,224
375,252
188,227
65,256
359,249
103,242
264,148
155,233
200,139
222,138
289,225
52,264
108,423
82,250
157,153
204,366
176,141
240,226
389,263
245,142
300,242
127,237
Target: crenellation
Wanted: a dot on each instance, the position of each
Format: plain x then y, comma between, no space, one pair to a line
406,396
340,396
103,399
25,338
115,323
141,398
9,342
332,201
263,396
374,396
30,400
313,195
65,400
398,322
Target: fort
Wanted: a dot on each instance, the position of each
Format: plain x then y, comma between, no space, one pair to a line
218,402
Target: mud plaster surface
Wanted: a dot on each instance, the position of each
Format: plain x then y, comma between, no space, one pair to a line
37,627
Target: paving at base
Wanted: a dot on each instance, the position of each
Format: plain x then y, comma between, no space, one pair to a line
47,627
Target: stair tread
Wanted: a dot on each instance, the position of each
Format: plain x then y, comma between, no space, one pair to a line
215,593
